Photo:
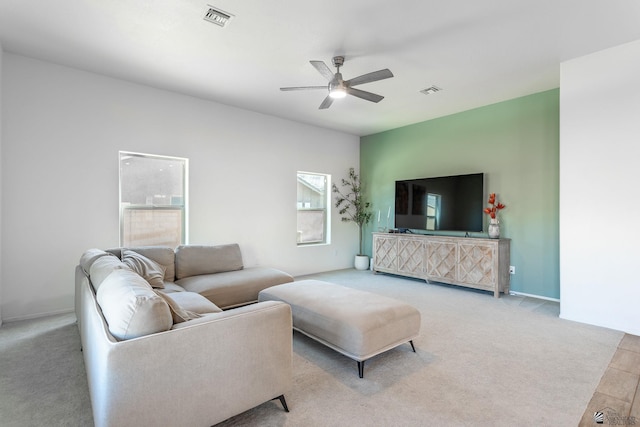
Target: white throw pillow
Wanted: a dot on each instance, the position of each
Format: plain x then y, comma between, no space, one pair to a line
150,270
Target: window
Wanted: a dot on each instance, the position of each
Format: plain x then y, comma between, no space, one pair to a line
313,215
433,211
153,200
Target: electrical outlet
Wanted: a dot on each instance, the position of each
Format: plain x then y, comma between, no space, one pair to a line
512,269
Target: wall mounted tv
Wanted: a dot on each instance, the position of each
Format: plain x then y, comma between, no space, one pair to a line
446,203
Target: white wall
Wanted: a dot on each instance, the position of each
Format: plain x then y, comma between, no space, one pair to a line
1,197
599,193
62,132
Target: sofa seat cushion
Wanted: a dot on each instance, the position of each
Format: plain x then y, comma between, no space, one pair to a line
170,287
194,260
193,302
131,307
204,318
231,289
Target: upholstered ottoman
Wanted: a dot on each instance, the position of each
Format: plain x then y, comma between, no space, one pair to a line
355,323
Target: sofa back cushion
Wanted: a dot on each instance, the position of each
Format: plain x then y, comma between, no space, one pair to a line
194,260
131,307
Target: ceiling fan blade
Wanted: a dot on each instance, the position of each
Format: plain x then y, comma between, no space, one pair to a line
365,95
326,103
303,88
323,69
370,77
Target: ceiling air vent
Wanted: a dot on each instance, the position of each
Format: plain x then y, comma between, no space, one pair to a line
430,90
217,16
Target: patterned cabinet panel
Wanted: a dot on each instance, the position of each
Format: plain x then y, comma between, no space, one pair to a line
442,258
385,253
478,264
411,256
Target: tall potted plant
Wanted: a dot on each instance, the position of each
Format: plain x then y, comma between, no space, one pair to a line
353,208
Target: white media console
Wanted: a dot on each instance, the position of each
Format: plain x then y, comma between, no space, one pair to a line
465,261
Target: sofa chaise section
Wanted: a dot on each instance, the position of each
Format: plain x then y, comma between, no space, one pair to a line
233,288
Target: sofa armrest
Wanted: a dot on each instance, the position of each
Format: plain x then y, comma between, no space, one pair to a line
198,374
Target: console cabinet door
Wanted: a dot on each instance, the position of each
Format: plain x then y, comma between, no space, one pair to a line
385,253
411,256
477,264
442,257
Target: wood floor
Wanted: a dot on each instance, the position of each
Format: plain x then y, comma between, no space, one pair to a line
616,400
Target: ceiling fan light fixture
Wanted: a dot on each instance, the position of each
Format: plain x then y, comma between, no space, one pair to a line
337,92
337,88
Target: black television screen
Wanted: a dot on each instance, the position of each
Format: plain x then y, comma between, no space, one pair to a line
446,203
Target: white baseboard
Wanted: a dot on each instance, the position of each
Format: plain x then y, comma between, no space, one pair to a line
36,316
522,294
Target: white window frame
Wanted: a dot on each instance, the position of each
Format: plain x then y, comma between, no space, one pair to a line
183,208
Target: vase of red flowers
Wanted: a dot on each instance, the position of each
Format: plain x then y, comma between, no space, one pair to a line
492,211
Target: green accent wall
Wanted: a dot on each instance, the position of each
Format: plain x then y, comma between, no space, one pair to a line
516,144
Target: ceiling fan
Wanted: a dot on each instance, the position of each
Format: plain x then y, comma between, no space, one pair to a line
339,88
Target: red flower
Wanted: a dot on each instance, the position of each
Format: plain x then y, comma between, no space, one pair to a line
495,207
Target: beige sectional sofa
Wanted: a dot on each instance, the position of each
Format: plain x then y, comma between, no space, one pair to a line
170,337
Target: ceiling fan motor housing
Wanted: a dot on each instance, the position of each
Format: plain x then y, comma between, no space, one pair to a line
337,87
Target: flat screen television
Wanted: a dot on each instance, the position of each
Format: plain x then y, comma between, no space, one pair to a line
446,203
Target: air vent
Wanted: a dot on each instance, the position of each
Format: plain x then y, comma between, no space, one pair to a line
430,90
217,16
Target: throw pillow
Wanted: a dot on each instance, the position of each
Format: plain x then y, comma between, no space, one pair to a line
163,255
150,270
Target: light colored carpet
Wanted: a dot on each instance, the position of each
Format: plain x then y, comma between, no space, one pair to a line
480,361
42,376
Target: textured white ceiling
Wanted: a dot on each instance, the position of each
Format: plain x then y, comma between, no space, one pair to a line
478,52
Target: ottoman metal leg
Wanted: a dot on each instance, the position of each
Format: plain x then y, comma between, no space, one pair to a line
361,364
361,369
284,402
